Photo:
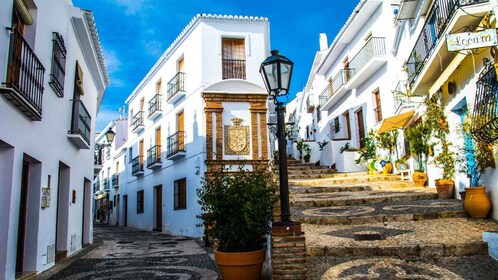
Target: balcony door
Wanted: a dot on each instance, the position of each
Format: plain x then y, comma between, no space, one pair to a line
361,126
14,65
141,153
158,144
233,58
181,65
159,208
180,125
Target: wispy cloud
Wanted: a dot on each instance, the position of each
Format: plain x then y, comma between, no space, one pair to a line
153,47
131,6
105,116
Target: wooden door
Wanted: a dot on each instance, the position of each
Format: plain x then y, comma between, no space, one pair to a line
15,60
142,102
361,127
180,123
21,230
159,208
181,65
141,151
347,76
158,144
378,108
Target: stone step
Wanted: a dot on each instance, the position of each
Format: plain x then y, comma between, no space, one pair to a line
309,171
359,198
380,213
328,189
407,239
334,179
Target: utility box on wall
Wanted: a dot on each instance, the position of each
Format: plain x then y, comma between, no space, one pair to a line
45,199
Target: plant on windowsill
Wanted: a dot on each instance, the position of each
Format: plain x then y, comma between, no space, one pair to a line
437,124
240,204
418,137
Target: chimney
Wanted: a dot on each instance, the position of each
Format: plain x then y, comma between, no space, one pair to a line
323,42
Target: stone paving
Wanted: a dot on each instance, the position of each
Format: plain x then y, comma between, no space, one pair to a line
361,227
125,253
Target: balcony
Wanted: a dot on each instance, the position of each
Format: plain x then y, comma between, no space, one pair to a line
24,82
176,87
115,180
234,69
137,124
429,54
105,185
368,61
176,145
337,89
154,157
98,160
155,107
137,166
484,122
80,126
310,106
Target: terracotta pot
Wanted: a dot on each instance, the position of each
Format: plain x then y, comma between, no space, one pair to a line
388,167
476,202
240,266
445,188
419,178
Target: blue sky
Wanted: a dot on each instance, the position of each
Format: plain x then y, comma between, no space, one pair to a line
134,34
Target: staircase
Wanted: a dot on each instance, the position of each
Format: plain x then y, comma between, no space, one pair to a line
365,226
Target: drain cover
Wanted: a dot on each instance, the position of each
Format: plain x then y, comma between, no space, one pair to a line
368,236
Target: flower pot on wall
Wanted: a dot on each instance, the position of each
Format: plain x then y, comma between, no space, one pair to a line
477,203
445,188
419,178
240,266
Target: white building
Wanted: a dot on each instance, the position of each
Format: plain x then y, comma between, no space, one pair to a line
184,115
53,78
348,89
109,171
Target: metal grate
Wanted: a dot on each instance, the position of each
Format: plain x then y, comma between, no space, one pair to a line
484,125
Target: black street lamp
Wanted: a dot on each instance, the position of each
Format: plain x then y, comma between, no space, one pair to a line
109,137
276,71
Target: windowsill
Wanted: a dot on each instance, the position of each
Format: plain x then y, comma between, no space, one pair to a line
341,139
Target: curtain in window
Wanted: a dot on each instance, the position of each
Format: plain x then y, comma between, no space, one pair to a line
233,49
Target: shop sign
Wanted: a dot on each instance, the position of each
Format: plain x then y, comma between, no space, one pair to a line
471,40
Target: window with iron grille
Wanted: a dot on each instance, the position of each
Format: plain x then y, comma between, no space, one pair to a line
140,202
233,58
484,121
58,64
181,194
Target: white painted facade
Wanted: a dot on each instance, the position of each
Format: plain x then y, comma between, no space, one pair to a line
453,76
197,52
110,173
37,140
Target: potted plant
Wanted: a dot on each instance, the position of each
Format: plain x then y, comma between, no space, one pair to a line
369,150
387,141
437,123
240,209
300,146
418,137
307,152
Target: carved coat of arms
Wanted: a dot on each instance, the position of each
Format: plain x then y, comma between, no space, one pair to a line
237,138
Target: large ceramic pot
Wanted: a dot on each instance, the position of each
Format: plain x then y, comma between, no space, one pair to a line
445,188
240,266
388,167
419,178
476,202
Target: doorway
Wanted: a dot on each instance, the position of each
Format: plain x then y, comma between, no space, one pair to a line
361,127
180,125
62,205
159,208
117,205
21,229
86,217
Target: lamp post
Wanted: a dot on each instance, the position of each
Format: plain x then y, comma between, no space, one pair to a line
276,71
109,137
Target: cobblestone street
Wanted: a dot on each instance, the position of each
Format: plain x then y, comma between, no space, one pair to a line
125,253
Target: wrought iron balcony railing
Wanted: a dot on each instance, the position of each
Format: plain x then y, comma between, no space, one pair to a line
433,31
115,180
106,184
325,95
341,79
154,104
24,81
176,143
234,69
375,46
484,124
153,156
138,120
176,84
81,121
98,156
58,64
137,165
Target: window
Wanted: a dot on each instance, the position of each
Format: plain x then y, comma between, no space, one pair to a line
140,202
233,58
378,106
158,86
337,125
130,154
58,64
181,194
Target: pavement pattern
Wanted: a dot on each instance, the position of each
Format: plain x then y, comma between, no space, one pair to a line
126,253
